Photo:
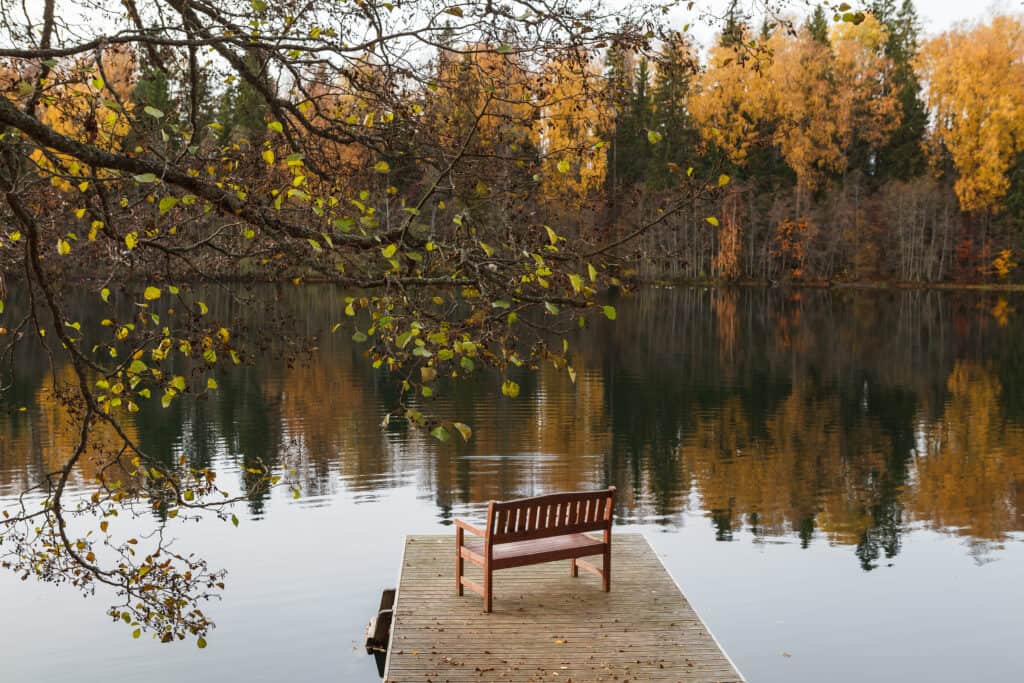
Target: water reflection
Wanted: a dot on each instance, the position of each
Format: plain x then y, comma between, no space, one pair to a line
852,417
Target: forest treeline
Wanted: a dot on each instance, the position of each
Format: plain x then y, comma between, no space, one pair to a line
808,150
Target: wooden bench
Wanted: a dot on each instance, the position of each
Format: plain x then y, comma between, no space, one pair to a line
534,530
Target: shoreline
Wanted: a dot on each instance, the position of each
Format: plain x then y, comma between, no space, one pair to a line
869,285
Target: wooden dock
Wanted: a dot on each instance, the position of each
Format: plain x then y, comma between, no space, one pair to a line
547,625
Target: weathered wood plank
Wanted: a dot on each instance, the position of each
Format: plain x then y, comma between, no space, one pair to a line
548,625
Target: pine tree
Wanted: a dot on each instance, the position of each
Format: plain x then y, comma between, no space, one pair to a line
633,166
817,25
675,68
630,103
735,28
151,90
242,108
903,157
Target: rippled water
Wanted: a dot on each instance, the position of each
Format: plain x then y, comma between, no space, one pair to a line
835,478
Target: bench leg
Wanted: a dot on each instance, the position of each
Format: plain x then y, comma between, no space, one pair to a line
459,562
573,569
487,589
606,575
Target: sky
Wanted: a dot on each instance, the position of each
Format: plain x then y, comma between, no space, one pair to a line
936,15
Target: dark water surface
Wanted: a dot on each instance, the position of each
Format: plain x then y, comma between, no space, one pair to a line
836,479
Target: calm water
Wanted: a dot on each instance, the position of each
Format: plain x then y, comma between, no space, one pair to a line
835,479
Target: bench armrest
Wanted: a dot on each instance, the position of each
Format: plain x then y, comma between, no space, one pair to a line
470,528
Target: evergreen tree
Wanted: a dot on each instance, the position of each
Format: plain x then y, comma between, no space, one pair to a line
1015,196
151,90
903,157
675,69
242,108
628,151
817,25
735,28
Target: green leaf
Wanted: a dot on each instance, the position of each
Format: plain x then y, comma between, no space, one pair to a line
145,178
551,308
610,312
276,126
167,203
201,643
359,337
500,303
441,434
592,272
136,633
467,364
153,111
234,520
389,251
563,166
653,137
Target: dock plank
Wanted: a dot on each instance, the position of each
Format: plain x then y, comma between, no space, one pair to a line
547,625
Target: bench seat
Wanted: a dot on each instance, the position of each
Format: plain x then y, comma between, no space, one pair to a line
520,553
535,530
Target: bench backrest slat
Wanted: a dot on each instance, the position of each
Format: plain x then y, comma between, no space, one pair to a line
551,515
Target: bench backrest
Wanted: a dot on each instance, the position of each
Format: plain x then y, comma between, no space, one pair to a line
552,515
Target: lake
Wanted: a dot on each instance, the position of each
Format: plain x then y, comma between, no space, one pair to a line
835,478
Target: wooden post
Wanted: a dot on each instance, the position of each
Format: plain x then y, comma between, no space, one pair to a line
488,556
459,562
609,512
573,569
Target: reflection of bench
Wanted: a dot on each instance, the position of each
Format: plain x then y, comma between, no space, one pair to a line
535,530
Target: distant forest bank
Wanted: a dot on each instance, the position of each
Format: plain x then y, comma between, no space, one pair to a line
815,152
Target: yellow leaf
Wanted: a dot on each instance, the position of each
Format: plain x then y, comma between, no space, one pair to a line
63,247
464,429
151,293
510,388
268,156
